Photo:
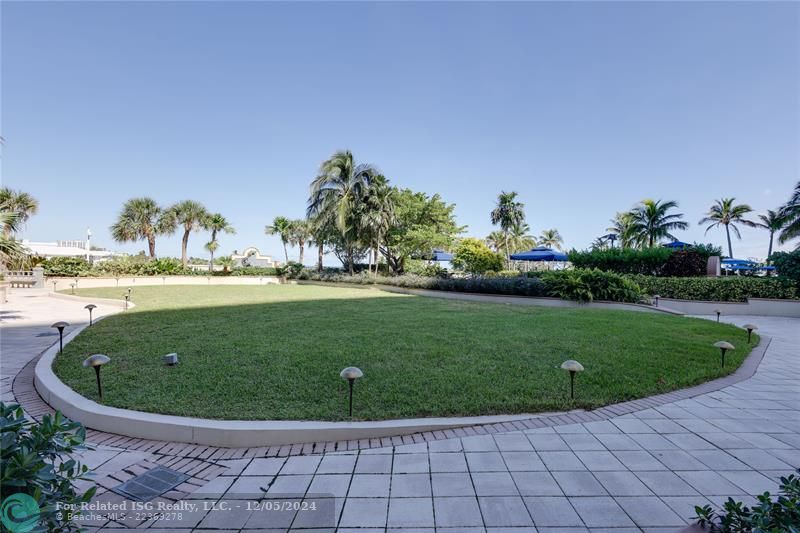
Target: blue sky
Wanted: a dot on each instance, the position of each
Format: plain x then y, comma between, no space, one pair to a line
582,108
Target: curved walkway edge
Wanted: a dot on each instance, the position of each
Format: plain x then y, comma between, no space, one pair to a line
246,434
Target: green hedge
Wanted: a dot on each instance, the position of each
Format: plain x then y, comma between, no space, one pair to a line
787,264
578,285
649,261
724,289
73,267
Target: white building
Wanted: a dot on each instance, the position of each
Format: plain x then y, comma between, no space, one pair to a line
49,250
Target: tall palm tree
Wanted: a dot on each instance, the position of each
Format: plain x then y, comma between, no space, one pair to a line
496,240
192,216
507,212
299,234
724,212
321,227
791,213
20,203
216,223
282,227
650,221
620,228
142,218
600,243
551,238
336,193
773,222
377,215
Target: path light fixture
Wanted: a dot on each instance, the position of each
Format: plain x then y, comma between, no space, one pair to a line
127,299
351,374
90,307
718,312
750,329
170,359
96,361
130,290
573,367
724,346
60,327
54,285
73,288
655,299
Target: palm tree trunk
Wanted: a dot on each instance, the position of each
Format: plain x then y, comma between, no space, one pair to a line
184,246
211,261
151,244
730,248
769,251
508,254
369,261
349,256
375,252
302,245
320,251
285,252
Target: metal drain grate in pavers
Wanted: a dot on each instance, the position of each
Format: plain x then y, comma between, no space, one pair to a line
151,484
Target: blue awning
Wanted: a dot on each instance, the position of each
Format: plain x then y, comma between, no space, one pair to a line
540,253
677,244
441,255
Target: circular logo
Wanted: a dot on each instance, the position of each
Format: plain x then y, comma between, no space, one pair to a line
19,513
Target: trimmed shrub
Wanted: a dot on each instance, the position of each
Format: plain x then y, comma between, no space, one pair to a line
69,267
684,264
724,289
474,257
648,261
589,285
787,264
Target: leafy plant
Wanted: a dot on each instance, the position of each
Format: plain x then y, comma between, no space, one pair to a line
66,266
648,261
767,515
589,285
685,263
473,256
36,461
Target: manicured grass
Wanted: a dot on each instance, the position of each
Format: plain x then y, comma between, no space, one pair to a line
275,352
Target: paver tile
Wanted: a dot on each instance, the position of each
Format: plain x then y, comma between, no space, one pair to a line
504,511
549,511
600,511
456,512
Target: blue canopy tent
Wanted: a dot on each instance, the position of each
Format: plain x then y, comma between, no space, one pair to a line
540,253
678,245
441,255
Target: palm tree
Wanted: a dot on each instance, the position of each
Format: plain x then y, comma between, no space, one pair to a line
282,227
321,228
791,214
620,229
299,235
19,203
216,223
142,218
377,215
773,221
726,213
226,262
10,248
192,216
650,221
520,239
507,213
336,193
496,240
600,243
551,238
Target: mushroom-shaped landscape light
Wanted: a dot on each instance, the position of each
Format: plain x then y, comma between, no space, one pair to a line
655,299
55,282
72,286
573,367
96,361
724,346
351,374
718,312
60,327
127,299
750,329
90,308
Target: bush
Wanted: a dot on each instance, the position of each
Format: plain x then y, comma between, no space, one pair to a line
68,267
424,268
249,271
783,514
473,256
589,285
648,261
787,264
36,461
685,264
723,289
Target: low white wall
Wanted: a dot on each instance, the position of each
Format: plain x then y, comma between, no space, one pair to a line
754,306
62,283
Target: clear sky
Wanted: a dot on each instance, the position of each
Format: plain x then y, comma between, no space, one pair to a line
582,108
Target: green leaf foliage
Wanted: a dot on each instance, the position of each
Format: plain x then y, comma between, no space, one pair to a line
723,289
649,261
787,264
36,460
474,257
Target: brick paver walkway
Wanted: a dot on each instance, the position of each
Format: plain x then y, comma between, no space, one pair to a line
644,469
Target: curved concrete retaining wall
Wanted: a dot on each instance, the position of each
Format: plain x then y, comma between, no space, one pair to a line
62,284
754,306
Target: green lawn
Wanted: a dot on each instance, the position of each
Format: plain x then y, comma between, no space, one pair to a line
275,352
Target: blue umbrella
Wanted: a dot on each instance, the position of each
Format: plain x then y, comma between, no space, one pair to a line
540,253
441,255
677,244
